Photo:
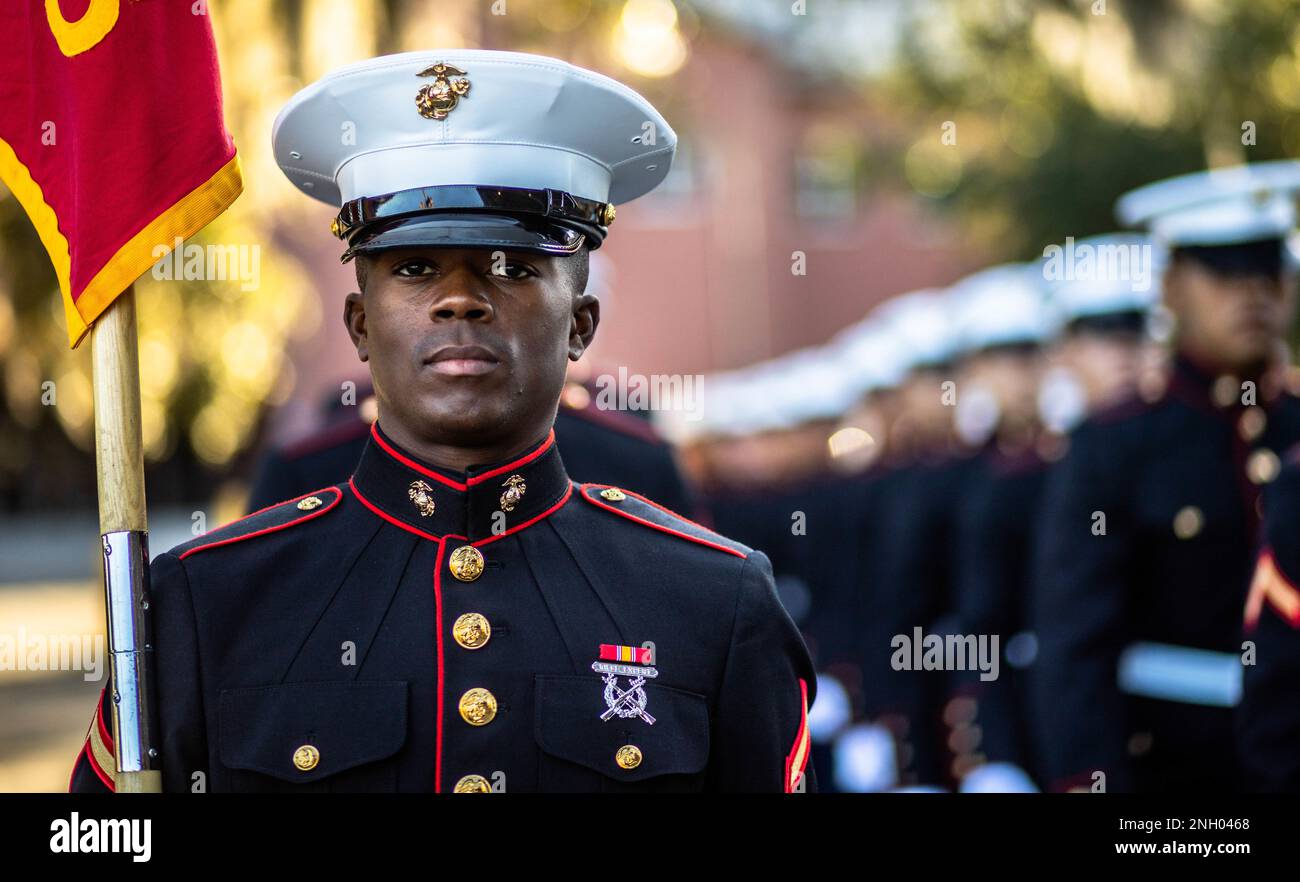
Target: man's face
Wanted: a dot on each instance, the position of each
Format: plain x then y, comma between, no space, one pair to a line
1233,322
468,347
1108,365
1011,375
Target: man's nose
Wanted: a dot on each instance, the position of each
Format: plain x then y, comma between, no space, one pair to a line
461,295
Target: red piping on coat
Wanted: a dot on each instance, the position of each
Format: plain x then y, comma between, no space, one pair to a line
653,525
338,494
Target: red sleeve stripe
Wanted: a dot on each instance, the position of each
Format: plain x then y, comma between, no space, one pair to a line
1271,585
797,762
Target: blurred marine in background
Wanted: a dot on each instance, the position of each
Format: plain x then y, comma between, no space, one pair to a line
1150,524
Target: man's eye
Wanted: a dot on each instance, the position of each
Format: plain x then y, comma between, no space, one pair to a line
412,268
512,270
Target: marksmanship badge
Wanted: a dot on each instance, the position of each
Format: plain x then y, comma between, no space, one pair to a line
629,702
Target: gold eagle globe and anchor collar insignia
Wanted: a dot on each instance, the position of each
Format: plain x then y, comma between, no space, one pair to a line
437,99
466,508
515,488
635,663
422,495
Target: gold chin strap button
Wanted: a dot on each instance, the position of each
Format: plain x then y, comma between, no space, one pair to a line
309,503
628,756
466,563
613,494
472,784
472,630
306,758
478,707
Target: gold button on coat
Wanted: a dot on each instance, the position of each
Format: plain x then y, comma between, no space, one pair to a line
472,784
1188,522
472,630
1263,466
478,707
628,756
309,503
1252,423
466,563
613,494
306,757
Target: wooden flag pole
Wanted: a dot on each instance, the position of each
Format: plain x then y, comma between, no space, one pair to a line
123,525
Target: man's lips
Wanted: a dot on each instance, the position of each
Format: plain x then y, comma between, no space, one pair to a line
463,361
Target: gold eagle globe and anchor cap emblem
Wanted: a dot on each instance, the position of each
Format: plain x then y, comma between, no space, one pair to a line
437,99
515,489
422,495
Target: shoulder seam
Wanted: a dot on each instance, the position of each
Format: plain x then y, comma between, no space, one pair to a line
274,528
660,527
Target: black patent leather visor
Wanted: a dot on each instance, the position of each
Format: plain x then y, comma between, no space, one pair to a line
1265,257
464,230
462,215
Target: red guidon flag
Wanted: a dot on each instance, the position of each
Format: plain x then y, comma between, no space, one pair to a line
112,136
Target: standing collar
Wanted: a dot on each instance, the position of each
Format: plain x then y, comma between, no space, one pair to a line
1199,385
480,504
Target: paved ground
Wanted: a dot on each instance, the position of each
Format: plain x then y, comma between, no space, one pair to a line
44,713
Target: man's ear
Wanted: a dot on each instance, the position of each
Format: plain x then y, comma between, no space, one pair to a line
586,316
354,316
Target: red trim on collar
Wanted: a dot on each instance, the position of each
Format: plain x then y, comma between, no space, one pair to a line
392,520
652,524
338,494
407,527
523,460
568,492
450,482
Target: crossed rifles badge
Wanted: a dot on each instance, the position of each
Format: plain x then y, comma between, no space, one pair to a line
629,702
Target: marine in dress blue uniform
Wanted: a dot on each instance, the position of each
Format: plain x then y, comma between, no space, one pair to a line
807,520
1268,719
1150,523
1101,310
1006,320
439,623
909,579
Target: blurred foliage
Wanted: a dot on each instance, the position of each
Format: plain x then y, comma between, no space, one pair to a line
1059,106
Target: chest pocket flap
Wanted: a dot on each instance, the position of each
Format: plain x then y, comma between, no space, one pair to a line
568,726
349,723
